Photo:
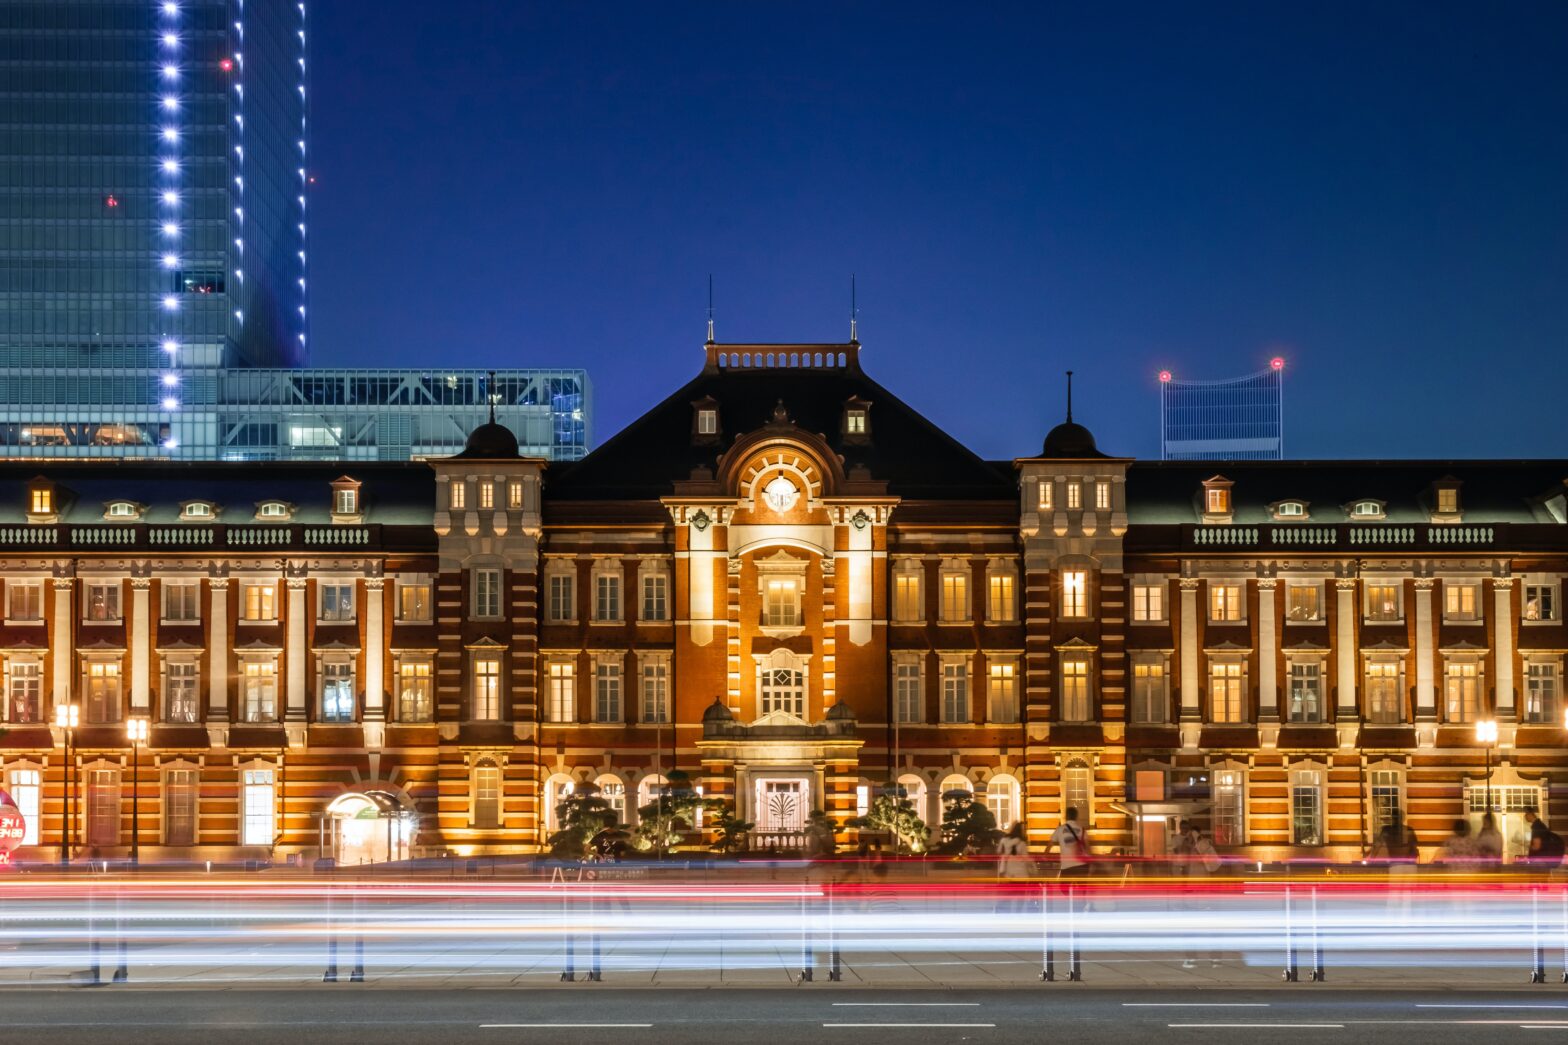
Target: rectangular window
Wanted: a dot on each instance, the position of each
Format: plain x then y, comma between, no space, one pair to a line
103,602
487,496
181,700
781,602
1447,500
260,690
487,689
337,691
1003,600
24,601
1149,695
561,692
414,703
413,601
1102,496
24,701
260,602
562,601
345,502
907,604
26,787
1148,602
908,692
856,422
1460,601
514,495
1229,806
1540,691
103,691
1216,500
783,688
257,808
1383,602
955,597
1225,603
1306,808
1387,800
487,796
103,807
606,692
1075,689
655,597
1047,495
1002,699
1462,690
1225,691
1540,602
607,597
181,602
337,602
1075,593
1385,703
1074,496
459,494
656,691
1078,792
707,422
1303,602
487,593
1306,691
955,691
179,807
42,501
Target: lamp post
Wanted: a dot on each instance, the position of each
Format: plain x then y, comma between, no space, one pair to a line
1486,736
136,732
67,717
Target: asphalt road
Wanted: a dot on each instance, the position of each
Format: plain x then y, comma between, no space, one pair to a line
590,1013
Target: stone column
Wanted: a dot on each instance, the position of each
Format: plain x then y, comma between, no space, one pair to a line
1503,643
375,649
1426,673
298,710
61,635
218,650
141,645
1268,648
1347,709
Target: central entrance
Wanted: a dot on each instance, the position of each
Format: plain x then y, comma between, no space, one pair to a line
781,806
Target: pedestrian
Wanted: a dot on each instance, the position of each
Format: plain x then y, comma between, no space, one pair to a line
1546,845
1074,851
1489,841
1012,865
1459,848
1199,860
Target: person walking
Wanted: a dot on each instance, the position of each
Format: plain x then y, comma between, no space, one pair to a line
1459,848
1012,865
1489,842
1199,861
1546,845
1074,851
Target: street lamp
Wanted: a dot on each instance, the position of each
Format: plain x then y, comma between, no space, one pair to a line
67,717
136,731
1486,736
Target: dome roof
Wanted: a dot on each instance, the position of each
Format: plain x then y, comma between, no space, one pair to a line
717,712
490,440
1070,441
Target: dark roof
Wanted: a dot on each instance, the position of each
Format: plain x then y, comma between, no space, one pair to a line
1070,441
915,458
1491,491
392,492
490,441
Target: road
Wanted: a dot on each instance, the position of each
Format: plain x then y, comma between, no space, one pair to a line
591,1013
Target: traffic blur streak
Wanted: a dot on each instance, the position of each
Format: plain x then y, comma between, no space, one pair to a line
255,927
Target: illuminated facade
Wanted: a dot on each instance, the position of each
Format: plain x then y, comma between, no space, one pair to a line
1242,419
787,583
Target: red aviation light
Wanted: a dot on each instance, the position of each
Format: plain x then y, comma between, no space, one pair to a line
110,201
1165,377
226,64
1277,363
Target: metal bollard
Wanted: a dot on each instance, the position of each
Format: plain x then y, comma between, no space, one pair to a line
1074,962
807,958
1537,952
1290,943
122,973
1048,957
835,972
1317,975
93,966
331,975
594,972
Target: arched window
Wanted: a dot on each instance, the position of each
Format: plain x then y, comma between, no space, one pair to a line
781,684
915,790
555,790
648,789
1001,797
955,782
613,791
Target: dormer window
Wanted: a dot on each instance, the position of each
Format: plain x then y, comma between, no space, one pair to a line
1292,511
1217,500
855,422
857,419
42,503
198,511
1445,500
707,422
123,511
1367,511
274,511
345,501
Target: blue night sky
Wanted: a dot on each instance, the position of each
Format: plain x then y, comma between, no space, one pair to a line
1378,192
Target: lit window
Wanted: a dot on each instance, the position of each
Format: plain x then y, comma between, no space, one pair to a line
103,602
656,691
487,688
413,601
1075,593
1540,691
1002,697
487,496
1290,510
487,796
1003,601
103,690
1216,500
1229,795
1102,496
1149,694
24,691
1074,496
42,500
273,510
1448,500
1047,495
1540,602
1386,791
1383,601
855,423
1462,690
781,603
1306,691
607,691
707,422
782,685
955,691
1303,602
337,691
1225,602
908,691
1460,601
907,603
26,787
1225,691
1078,791
1306,807
198,510
514,495
413,691
345,501
955,596
258,810
123,510
1075,689
459,496
487,593
1367,510
561,692
1148,602
260,602
1385,702
1001,798
259,689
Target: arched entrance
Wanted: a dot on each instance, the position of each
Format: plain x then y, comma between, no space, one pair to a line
368,827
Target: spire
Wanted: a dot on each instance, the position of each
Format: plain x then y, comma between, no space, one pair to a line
1069,397
490,395
854,313
710,308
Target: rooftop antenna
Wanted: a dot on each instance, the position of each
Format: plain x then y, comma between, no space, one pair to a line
854,312
710,308
490,395
1069,397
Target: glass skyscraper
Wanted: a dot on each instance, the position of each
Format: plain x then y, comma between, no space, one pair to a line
1242,419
